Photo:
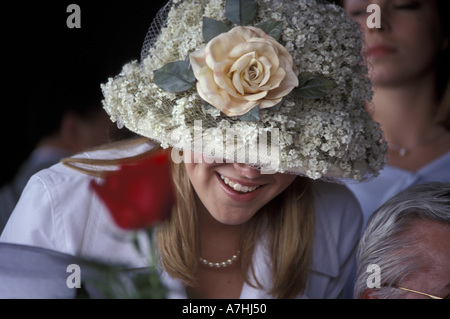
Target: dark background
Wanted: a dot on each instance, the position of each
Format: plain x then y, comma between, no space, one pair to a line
41,54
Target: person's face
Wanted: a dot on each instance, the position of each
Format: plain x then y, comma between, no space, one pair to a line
434,277
213,184
408,42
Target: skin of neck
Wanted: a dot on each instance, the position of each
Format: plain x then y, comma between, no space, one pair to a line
218,241
406,111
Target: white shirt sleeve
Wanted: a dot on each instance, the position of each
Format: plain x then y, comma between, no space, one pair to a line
59,211
33,221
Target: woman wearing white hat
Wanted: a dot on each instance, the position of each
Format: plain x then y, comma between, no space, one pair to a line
262,106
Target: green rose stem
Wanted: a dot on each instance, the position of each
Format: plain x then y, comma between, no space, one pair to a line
158,291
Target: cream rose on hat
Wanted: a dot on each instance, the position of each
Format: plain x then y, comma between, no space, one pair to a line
242,69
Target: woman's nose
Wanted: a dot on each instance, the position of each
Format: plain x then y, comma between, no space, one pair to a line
247,171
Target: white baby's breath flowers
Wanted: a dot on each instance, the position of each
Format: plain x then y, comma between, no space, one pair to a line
330,137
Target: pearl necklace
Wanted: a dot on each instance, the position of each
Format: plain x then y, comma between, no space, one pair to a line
224,264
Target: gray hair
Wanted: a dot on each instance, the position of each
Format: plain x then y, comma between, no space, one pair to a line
385,242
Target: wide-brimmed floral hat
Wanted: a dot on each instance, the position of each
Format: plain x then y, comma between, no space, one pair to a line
279,85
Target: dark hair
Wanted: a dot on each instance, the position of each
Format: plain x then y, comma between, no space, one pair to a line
59,91
444,58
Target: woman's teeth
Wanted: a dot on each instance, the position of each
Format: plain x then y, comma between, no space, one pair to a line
238,187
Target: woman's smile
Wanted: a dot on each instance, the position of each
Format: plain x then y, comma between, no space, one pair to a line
233,193
239,191
239,186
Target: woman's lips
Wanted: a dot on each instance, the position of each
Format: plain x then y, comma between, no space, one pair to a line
237,190
379,51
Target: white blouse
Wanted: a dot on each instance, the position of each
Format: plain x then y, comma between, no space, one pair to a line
59,211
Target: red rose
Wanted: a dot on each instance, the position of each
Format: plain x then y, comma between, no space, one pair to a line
141,194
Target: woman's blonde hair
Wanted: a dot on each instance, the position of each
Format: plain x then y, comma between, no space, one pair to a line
288,223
